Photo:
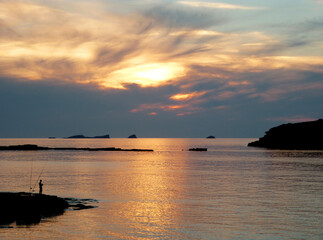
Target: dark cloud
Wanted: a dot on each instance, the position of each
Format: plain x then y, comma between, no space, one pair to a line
46,108
106,56
173,16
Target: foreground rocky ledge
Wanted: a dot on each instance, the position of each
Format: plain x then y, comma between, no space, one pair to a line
33,147
27,208
297,136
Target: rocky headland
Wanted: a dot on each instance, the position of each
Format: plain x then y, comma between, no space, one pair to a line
293,136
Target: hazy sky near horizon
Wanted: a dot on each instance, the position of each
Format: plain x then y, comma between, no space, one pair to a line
158,68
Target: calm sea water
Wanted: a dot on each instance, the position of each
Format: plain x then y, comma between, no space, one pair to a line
229,192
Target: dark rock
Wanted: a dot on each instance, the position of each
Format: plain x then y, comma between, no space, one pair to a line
104,136
26,147
82,136
298,136
210,137
77,136
198,149
32,147
80,206
27,208
132,136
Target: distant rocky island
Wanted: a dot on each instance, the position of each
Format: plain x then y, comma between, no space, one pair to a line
198,149
82,136
297,136
210,137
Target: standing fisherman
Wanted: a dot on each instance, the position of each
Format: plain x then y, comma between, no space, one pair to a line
40,187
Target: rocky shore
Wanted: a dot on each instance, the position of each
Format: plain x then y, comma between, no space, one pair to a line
297,136
28,208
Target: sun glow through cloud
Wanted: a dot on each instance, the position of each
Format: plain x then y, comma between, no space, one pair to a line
200,56
187,96
145,75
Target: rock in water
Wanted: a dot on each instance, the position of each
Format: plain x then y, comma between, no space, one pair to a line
132,136
210,137
27,208
198,149
298,136
103,136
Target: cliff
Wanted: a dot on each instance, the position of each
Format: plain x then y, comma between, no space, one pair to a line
298,136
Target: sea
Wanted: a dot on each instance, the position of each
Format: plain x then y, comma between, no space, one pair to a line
230,191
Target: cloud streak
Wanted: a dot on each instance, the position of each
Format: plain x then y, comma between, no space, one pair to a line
218,5
156,46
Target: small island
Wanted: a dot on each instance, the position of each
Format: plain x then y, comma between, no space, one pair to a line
132,136
198,149
82,136
210,137
293,136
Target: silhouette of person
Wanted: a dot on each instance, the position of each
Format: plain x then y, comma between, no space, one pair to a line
40,187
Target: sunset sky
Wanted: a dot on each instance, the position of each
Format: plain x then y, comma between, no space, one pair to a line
158,68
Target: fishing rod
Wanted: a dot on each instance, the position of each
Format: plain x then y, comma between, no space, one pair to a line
38,178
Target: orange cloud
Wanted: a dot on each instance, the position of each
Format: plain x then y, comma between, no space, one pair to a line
234,83
145,107
84,44
187,96
225,95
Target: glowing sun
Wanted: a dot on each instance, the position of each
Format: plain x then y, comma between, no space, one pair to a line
147,75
